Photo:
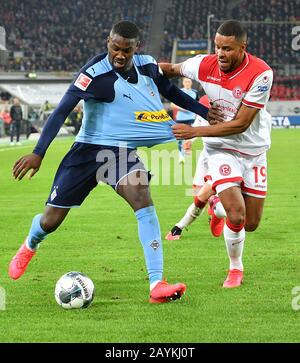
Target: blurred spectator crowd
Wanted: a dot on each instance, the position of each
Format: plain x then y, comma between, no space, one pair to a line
269,38
44,35
188,20
49,35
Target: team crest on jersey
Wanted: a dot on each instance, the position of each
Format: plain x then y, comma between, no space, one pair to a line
152,116
225,170
82,82
150,90
237,92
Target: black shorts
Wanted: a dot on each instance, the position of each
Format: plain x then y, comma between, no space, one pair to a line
84,166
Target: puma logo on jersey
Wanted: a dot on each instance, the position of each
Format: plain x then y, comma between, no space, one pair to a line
127,96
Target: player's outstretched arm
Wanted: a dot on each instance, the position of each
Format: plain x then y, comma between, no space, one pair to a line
171,69
55,121
238,125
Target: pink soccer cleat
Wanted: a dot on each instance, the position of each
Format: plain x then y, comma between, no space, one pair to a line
216,224
19,263
163,292
174,234
234,279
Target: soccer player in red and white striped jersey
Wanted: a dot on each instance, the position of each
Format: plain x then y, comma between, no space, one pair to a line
238,84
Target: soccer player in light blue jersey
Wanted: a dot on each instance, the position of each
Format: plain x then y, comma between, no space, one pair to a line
122,111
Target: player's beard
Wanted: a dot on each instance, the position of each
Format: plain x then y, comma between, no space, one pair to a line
224,65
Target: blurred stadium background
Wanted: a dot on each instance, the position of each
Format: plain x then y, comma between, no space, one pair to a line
43,44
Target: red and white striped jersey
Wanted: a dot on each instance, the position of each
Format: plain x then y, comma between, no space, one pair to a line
249,84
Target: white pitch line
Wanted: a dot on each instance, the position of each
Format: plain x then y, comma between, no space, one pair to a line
14,148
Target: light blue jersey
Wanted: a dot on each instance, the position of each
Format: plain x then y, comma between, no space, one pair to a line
119,109
121,112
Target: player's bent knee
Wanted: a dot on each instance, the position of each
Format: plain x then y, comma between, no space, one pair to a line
49,225
236,218
136,196
52,218
251,226
141,198
236,221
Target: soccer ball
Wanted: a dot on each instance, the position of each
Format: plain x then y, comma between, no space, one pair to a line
74,290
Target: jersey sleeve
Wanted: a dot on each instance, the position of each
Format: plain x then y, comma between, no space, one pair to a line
54,123
190,67
81,85
259,93
76,91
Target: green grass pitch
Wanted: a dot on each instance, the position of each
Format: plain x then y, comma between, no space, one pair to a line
100,239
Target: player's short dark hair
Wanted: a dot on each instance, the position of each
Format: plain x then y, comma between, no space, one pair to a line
126,29
233,28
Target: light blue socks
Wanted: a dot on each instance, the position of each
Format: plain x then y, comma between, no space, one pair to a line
36,233
149,235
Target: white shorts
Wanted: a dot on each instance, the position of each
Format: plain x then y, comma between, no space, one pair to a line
201,172
228,168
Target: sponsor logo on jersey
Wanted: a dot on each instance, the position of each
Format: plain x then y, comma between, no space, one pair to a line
228,109
152,116
225,169
82,82
237,92
262,88
214,78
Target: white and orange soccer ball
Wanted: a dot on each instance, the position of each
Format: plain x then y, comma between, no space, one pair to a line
74,290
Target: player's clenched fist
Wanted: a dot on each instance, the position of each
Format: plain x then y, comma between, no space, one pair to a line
26,163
